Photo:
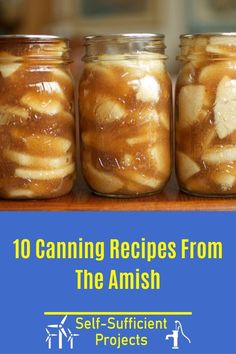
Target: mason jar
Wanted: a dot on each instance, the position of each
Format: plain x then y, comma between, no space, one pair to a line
206,114
37,138
125,115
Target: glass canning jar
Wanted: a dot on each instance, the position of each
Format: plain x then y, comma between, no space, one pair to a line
36,117
125,115
206,114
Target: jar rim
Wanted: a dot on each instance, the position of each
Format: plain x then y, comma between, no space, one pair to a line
32,37
125,35
211,34
49,48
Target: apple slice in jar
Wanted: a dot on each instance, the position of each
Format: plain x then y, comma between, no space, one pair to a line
210,75
40,144
34,161
191,102
108,110
219,154
20,193
225,107
147,89
41,103
27,173
187,75
11,113
59,74
142,179
105,142
147,133
9,64
224,180
159,157
101,181
186,166
222,45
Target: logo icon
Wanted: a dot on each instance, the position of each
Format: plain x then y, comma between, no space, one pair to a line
71,338
175,335
49,338
61,333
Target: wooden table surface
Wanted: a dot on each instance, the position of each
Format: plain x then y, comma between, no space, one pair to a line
83,200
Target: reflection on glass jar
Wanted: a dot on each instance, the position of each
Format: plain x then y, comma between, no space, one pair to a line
206,115
125,115
36,117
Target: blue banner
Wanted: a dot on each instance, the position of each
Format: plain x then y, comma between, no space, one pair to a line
117,282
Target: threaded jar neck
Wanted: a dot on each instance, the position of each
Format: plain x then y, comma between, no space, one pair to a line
126,44
208,46
20,48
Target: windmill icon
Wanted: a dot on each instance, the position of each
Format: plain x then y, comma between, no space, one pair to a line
49,338
71,338
61,331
